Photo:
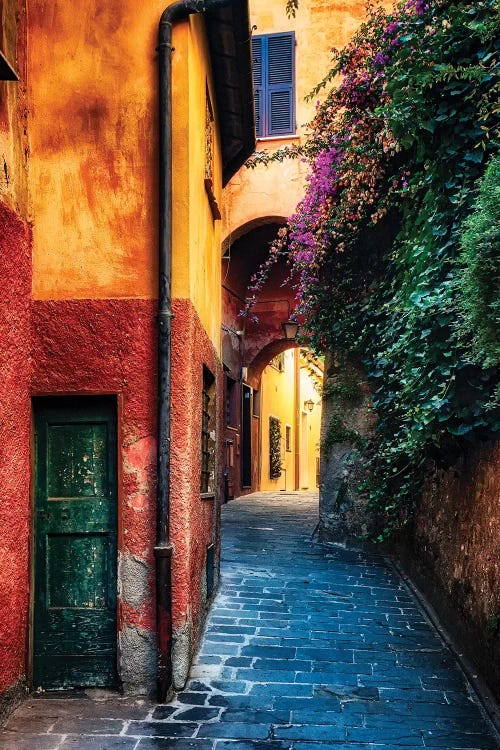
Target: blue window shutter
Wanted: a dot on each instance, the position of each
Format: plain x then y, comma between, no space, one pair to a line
258,83
274,83
280,84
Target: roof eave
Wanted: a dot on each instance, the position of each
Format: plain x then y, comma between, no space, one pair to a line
229,42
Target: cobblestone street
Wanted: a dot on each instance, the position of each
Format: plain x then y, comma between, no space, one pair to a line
306,645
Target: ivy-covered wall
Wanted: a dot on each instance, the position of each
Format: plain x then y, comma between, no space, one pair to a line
274,448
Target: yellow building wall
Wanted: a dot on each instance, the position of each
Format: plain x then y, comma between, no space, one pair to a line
204,232
279,398
310,390
319,25
93,109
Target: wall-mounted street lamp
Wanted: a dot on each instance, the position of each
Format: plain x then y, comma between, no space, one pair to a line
309,404
290,329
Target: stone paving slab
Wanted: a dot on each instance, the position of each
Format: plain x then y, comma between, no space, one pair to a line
308,647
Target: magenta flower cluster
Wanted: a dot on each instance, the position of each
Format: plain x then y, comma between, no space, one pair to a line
346,151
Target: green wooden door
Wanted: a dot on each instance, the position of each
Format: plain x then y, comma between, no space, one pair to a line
74,627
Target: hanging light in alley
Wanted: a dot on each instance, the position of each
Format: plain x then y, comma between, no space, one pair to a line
309,404
290,328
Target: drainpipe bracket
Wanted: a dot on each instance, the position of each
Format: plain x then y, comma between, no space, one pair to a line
163,320
164,45
163,550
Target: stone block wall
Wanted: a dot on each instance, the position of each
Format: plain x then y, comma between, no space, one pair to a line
455,554
347,418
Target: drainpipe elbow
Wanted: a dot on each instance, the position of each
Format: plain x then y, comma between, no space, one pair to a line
177,12
181,10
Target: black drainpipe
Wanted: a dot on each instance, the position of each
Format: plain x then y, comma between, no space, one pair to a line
163,549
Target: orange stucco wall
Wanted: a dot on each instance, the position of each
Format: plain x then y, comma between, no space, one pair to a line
311,380
15,263
93,167
92,133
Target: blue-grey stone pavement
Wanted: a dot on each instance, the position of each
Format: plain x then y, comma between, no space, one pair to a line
307,646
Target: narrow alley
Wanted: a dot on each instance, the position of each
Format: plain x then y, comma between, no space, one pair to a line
306,645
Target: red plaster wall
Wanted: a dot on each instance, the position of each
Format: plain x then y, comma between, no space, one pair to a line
194,522
109,346
14,445
457,538
84,347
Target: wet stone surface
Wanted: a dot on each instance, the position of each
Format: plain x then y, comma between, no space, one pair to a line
307,645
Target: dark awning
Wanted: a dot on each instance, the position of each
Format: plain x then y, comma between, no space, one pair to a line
228,31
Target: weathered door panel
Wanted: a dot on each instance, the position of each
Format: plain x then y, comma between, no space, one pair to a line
74,627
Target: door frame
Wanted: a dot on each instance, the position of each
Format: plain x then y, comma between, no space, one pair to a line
246,436
304,451
59,397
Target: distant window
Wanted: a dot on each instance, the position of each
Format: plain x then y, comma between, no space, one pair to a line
278,362
288,438
209,157
256,404
209,138
317,471
274,83
207,482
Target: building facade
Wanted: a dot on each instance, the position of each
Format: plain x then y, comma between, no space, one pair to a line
289,55
78,317
289,402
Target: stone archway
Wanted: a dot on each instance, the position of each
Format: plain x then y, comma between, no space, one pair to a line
264,356
259,221
248,345
242,337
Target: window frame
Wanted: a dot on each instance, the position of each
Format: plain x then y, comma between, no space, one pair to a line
264,90
207,444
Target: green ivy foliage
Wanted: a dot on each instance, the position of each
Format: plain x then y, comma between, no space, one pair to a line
394,258
346,389
479,279
435,385
274,448
338,432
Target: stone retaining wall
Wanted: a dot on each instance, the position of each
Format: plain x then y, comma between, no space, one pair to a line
455,554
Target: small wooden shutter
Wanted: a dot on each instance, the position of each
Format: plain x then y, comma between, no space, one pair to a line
258,80
280,83
273,78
